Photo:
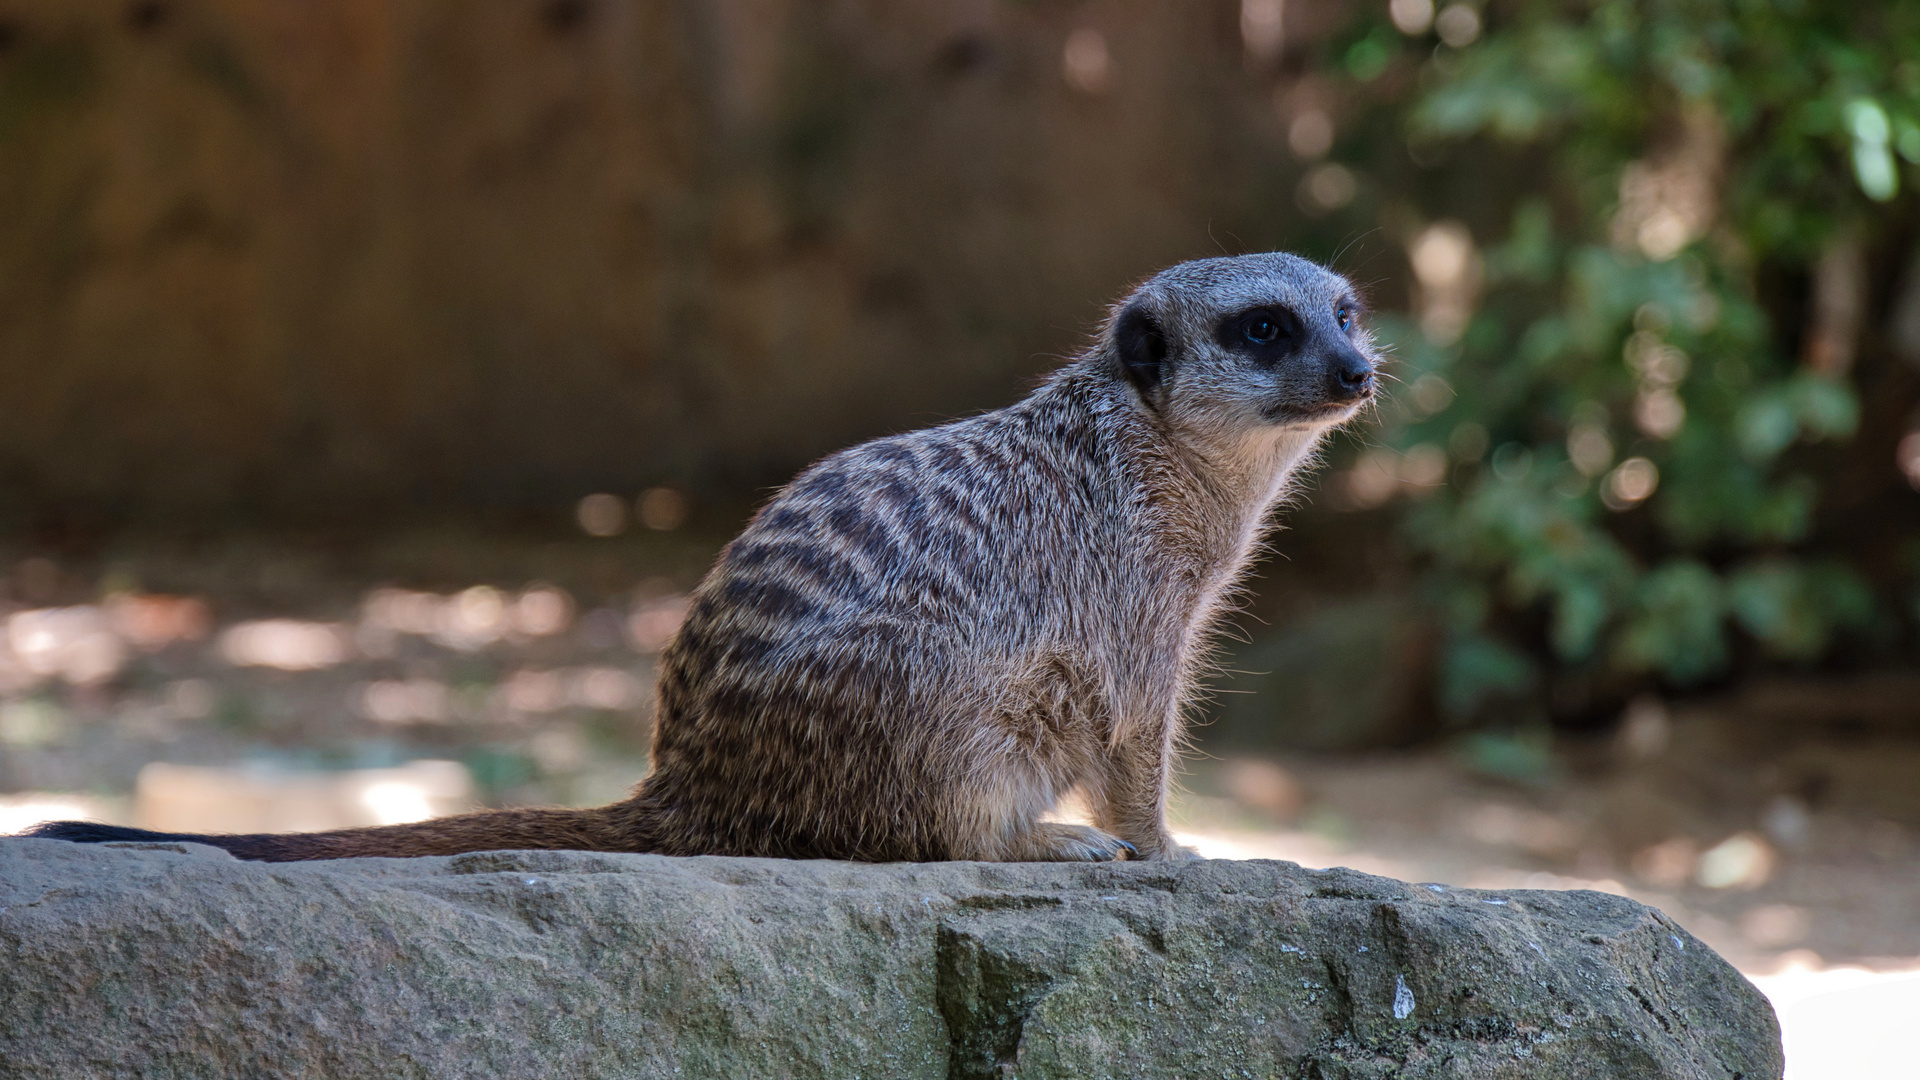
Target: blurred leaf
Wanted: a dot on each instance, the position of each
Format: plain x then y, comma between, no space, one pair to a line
1578,617
1828,409
497,768
1525,757
1477,669
1767,425
1367,59
1528,254
1677,625
1795,608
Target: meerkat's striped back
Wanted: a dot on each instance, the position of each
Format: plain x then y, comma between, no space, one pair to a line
870,616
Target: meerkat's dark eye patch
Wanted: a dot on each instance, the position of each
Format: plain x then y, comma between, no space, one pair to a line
1142,346
1267,332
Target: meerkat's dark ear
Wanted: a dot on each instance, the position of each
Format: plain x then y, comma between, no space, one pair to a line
1142,346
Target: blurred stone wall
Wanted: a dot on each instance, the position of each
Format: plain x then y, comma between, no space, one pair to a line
322,260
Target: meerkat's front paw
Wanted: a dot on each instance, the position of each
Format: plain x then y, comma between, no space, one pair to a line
1053,841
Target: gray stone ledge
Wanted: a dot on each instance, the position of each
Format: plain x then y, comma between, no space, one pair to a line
175,960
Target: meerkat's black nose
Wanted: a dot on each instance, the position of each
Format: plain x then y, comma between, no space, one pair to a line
1349,376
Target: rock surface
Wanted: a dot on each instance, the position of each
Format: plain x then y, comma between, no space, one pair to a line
176,960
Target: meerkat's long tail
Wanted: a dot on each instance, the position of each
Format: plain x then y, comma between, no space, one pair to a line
620,827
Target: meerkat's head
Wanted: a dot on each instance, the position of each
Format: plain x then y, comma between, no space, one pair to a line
1242,346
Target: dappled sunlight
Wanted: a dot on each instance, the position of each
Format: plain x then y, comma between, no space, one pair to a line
1304,848
655,621
76,644
26,809
265,798
1448,268
287,644
415,703
531,690
405,701
396,802
1844,1022
467,621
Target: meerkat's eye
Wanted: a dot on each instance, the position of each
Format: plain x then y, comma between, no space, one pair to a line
1344,315
1262,330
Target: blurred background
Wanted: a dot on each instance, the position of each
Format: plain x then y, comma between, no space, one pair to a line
377,376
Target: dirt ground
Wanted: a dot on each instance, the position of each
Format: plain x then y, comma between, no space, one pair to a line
1778,824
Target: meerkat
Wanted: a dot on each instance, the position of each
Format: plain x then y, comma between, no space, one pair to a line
922,642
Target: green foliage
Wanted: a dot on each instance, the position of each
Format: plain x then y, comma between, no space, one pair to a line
1765,131
1524,757
1477,669
1795,606
495,769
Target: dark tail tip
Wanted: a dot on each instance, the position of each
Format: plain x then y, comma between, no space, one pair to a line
93,832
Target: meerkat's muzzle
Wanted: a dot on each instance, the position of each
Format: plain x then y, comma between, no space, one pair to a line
1349,376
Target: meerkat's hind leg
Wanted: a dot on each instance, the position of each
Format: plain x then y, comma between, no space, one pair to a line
1058,841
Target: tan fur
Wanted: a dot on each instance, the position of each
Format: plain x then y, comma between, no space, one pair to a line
921,643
